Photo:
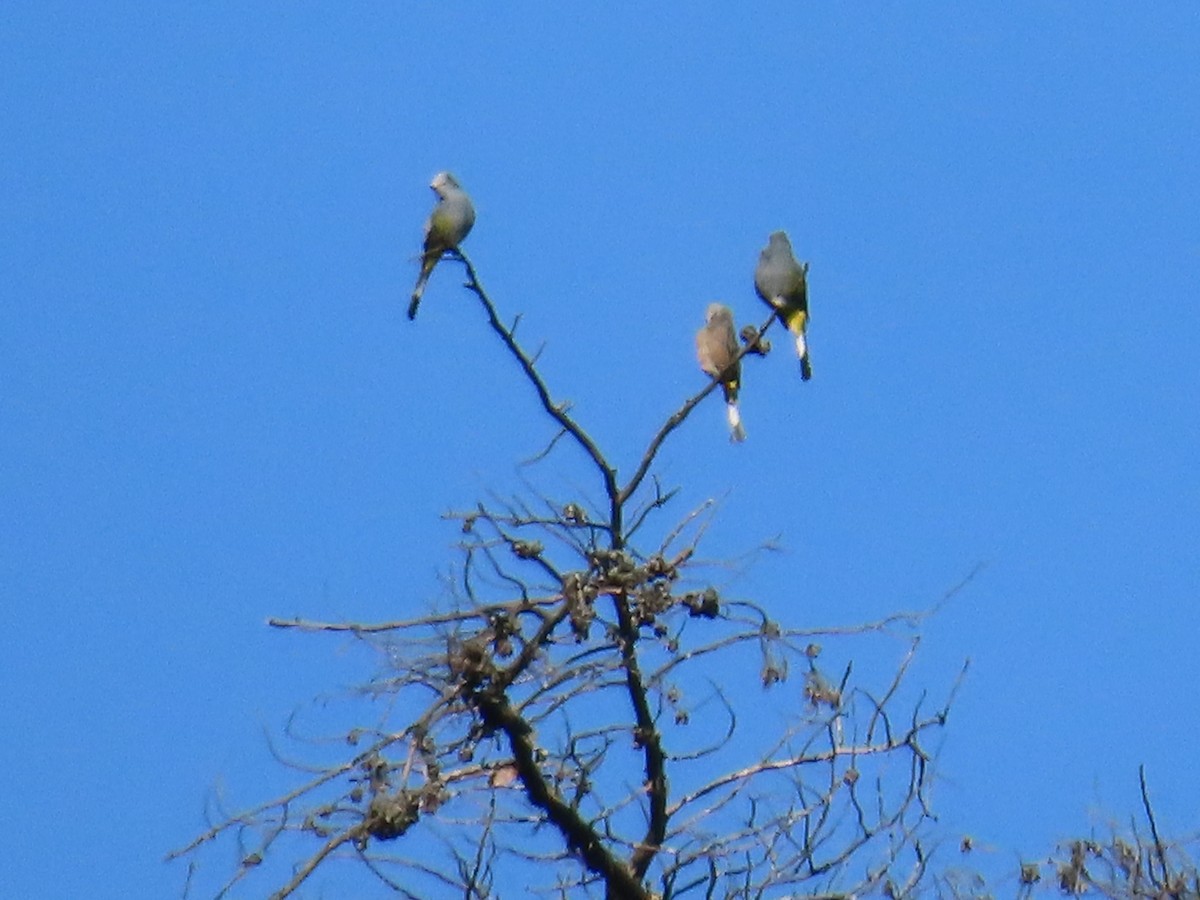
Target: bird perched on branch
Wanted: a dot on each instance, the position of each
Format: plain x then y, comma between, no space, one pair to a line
783,285
717,350
448,225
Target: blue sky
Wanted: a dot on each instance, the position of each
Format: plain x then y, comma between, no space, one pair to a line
212,409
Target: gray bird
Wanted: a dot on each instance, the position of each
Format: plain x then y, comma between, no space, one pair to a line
717,350
448,225
783,285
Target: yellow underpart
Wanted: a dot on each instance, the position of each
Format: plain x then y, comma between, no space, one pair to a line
796,321
730,390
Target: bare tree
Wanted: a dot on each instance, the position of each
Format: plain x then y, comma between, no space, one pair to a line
1133,863
569,721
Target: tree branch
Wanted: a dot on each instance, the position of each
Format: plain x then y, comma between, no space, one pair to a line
580,837
554,410
1158,844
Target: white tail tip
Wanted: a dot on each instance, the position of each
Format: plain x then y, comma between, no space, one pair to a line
736,431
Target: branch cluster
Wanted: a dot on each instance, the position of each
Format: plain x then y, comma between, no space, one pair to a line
572,718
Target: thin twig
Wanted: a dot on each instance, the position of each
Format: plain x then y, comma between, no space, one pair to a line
556,411
1158,844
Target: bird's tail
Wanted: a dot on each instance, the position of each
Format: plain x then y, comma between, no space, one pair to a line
427,264
737,433
797,324
805,367
416,300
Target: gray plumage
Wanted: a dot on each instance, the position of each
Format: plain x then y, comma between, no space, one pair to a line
448,225
782,283
717,350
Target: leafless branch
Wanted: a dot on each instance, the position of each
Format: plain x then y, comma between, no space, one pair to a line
526,728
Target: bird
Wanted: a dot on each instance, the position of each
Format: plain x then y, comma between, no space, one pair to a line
449,223
716,351
783,284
